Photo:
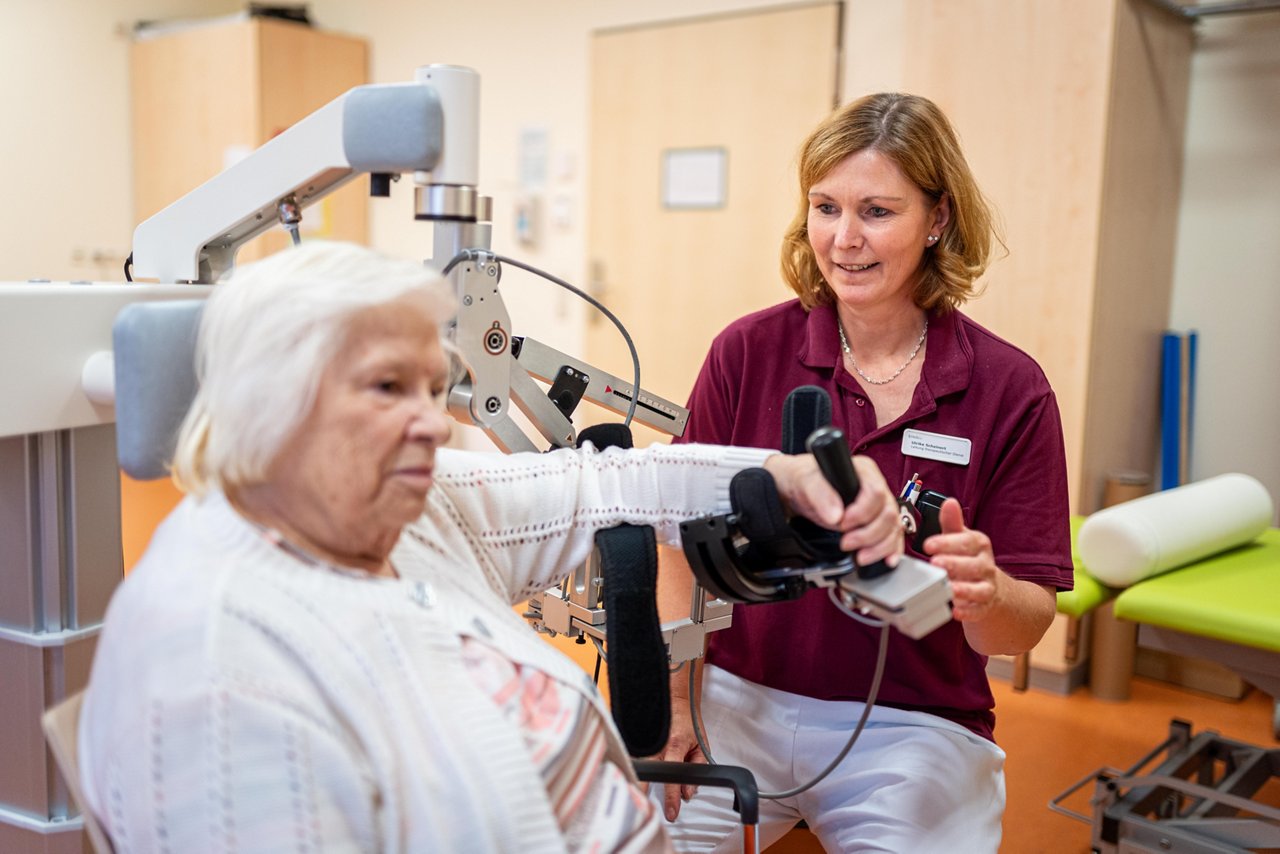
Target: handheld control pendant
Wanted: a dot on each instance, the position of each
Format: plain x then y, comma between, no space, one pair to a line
756,554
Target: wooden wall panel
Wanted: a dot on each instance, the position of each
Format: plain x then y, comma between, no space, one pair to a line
1138,228
1026,85
206,95
1072,116
753,84
301,70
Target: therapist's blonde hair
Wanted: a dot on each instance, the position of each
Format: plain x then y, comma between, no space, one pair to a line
266,336
915,134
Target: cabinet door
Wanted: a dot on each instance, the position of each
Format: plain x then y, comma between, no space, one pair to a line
195,105
207,96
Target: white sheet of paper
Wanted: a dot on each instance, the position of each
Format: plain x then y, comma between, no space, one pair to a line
695,177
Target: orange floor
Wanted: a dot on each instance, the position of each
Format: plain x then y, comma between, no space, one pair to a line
1052,741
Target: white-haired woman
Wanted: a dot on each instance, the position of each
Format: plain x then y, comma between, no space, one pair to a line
318,650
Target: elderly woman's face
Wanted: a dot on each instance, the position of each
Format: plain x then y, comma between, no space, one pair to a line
361,463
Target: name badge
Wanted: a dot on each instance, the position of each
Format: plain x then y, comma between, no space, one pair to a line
936,446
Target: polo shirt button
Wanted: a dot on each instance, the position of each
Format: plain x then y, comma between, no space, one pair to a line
862,401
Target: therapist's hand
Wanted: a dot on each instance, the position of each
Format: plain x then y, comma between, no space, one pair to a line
871,526
1001,615
966,555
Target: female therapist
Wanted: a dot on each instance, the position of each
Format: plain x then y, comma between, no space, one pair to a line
889,239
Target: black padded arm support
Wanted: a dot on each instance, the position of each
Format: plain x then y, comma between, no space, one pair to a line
806,409
640,694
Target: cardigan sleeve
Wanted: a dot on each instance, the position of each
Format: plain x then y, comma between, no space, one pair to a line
534,516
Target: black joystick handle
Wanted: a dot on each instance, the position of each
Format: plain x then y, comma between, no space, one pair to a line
829,448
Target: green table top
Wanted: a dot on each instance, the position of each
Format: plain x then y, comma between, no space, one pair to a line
1089,592
1233,596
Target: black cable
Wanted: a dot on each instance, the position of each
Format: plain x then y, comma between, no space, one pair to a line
128,268
853,739
476,254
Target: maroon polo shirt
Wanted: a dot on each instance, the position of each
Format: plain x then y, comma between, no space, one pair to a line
973,386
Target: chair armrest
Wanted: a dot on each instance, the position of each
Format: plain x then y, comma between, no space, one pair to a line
746,796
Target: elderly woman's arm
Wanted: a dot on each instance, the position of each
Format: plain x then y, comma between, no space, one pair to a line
535,515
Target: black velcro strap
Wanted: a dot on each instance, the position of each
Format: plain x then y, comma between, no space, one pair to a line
640,694
754,497
606,436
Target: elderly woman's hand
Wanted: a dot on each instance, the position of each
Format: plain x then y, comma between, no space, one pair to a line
870,524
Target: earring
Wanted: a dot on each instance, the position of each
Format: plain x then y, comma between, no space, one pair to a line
933,238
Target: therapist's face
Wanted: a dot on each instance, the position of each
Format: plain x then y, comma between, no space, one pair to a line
869,227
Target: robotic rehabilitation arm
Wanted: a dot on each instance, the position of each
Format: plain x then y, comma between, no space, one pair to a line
755,554
429,128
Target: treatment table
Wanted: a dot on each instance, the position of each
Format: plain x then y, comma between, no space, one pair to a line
1225,608
1193,794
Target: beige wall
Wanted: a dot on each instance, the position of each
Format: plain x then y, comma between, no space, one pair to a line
64,98
64,133
1227,265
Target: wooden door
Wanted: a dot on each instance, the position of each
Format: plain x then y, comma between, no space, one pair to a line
745,89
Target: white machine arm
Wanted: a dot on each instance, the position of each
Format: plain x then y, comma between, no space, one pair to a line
429,127
380,129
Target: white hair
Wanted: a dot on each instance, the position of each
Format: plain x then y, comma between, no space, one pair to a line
267,335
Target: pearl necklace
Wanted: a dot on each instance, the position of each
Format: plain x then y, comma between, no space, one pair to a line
844,345
277,539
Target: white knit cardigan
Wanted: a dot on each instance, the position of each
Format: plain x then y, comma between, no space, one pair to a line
243,700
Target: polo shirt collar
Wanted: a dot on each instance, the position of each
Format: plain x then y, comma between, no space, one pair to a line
948,363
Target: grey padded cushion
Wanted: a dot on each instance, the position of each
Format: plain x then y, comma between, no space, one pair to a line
154,345
392,127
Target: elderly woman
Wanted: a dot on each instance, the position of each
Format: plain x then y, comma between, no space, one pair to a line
318,650
889,238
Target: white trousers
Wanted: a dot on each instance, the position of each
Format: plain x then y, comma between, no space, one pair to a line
913,784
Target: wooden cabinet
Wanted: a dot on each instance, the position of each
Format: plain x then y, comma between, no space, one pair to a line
1073,116
206,95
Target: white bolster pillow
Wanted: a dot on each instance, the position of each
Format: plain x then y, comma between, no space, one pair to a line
1128,542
